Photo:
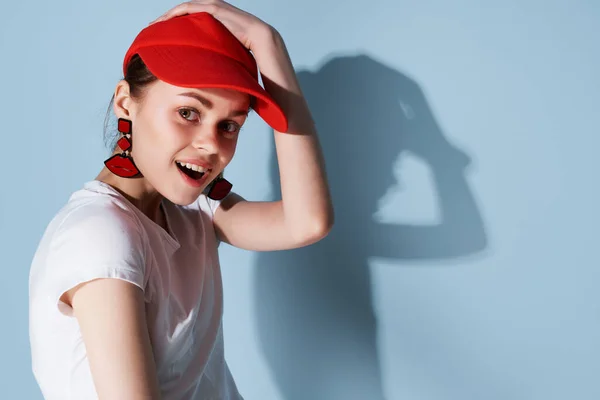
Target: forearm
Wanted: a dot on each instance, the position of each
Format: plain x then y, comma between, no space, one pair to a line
305,194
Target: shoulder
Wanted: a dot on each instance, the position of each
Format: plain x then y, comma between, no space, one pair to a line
207,205
93,226
91,237
97,216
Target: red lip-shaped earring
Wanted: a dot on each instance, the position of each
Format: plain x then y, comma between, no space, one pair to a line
122,164
219,188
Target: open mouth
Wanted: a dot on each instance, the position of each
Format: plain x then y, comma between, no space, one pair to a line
190,170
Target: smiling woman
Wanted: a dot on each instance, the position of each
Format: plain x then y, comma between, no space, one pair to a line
189,110
171,126
125,287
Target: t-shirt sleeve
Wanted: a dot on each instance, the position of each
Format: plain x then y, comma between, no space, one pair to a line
97,240
210,205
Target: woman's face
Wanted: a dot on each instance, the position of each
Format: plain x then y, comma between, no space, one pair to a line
182,138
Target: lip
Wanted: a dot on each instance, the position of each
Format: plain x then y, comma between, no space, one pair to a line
192,182
197,161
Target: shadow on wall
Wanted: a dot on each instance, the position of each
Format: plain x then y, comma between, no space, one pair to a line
315,316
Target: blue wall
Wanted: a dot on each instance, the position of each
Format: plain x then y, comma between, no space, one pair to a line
460,140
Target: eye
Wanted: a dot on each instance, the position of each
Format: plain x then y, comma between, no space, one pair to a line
188,113
231,129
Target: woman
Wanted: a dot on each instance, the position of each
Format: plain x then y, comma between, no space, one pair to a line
125,290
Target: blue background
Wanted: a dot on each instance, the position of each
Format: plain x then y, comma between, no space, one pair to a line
461,141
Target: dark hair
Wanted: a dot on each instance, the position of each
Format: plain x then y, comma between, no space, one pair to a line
138,76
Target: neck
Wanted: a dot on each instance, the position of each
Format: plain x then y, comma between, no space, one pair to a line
138,191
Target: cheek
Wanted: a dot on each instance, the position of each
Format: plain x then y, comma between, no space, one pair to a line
154,141
227,149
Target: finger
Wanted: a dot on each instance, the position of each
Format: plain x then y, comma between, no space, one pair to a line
189,8
178,10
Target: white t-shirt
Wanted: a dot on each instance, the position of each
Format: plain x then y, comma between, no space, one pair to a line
100,234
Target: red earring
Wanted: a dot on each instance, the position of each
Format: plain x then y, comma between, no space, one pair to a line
122,164
219,188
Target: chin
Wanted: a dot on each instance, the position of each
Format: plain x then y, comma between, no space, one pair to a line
182,199
181,195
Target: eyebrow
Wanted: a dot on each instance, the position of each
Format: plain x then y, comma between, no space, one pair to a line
208,104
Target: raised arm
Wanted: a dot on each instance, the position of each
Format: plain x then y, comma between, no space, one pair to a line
304,214
112,320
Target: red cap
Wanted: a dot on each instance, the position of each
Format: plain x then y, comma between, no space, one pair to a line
196,50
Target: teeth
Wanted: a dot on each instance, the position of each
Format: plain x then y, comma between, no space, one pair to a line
193,167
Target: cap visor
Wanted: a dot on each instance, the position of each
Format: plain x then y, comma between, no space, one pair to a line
197,68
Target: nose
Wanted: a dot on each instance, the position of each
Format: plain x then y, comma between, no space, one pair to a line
207,138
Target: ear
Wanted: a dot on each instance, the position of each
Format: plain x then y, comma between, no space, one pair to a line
123,103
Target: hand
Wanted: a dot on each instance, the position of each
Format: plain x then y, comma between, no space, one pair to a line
244,26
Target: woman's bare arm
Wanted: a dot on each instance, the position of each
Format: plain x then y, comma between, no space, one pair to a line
112,319
304,215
